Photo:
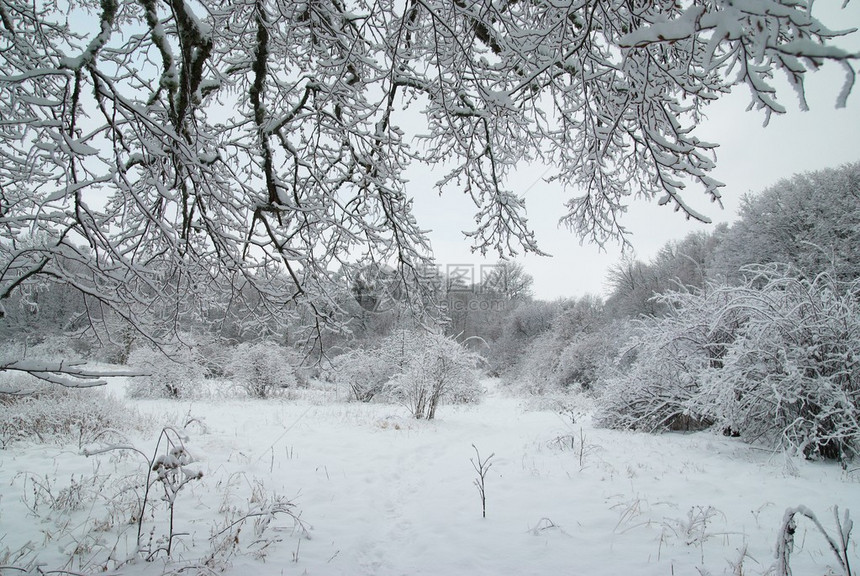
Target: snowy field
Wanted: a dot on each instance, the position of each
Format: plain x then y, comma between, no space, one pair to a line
378,493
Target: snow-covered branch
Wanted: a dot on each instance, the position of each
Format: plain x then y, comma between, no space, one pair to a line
68,374
251,148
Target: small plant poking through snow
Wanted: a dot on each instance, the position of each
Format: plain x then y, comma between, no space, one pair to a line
169,467
172,472
263,507
481,466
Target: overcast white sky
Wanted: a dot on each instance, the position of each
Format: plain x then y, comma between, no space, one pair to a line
749,159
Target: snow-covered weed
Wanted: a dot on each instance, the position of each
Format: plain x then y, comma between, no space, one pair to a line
22,559
576,442
630,511
86,519
127,510
695,528
838,541
250,522
67,498
62,415
482,467
545,525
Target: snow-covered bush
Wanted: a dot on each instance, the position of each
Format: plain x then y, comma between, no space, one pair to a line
63,415
56,347
435,368
416,368
468,390
261,369
366,372
775,360
792,376
537,372
659,369
179,375
518,331
566,355
582,362
654,392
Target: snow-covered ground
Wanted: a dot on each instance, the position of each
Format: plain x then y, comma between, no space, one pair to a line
381,494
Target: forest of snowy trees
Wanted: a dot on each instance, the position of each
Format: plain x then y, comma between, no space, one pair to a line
222,163
750,332
207,202
753,329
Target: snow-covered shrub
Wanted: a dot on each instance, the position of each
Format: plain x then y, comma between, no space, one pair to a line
469,390
13,383
660,367
417,369
520,328
179,375
63,415
654,392
56,347
435,368
792,376
553,364
366,372
565,357
537,372
261,369
583,361
214,355
775,360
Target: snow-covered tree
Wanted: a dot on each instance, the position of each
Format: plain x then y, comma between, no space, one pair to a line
507,281
682,263
811,221
163,151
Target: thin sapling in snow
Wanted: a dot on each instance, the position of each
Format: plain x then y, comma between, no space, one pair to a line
481,466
